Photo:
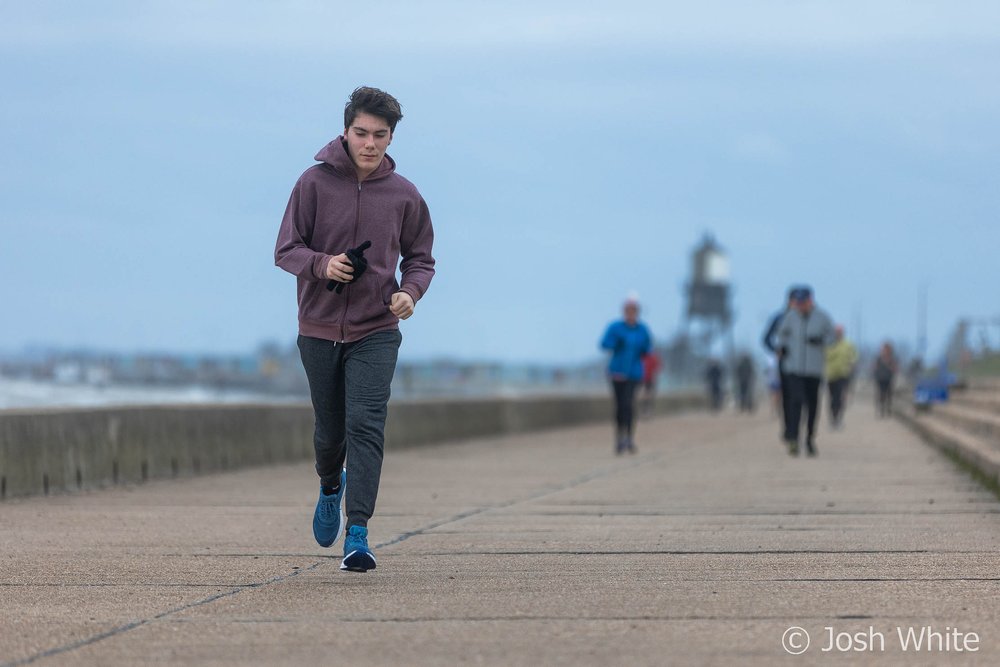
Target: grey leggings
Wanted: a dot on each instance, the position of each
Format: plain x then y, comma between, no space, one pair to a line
349,385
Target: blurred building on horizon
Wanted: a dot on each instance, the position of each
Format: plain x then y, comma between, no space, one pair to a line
41,377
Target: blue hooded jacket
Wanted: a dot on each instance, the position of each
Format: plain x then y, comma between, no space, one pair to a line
627,344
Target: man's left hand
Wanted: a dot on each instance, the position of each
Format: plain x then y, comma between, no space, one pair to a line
402,305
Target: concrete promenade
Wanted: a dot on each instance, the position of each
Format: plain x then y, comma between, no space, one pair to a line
534,549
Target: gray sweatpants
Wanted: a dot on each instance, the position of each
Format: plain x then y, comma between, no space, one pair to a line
349,385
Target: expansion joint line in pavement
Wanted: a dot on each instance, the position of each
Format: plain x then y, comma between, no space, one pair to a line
547,491
542,493
146,621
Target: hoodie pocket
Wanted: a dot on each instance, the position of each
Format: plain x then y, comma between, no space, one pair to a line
387,289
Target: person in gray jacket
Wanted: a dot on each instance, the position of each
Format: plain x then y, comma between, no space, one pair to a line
804,332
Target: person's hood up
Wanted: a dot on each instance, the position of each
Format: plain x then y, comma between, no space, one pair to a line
335,154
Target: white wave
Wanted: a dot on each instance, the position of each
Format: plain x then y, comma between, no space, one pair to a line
16,394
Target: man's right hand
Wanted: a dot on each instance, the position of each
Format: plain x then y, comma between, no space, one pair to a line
340,269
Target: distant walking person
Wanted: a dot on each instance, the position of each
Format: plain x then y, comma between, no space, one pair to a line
349,220
774,346
628,340
774,388
803,333
746,375
714,374
841,358
885,371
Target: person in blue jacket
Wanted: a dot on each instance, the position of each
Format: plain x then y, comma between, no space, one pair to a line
628,340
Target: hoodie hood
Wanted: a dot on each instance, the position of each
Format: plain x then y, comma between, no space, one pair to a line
335,154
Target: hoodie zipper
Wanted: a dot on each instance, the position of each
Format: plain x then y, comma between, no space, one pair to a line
354,241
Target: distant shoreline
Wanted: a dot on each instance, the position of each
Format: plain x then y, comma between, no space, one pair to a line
17,394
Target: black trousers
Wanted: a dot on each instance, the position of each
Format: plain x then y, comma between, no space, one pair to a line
804,395
837,389
349,384
624,405
786,401
884,404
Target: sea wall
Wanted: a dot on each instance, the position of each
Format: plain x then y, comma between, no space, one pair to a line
54,451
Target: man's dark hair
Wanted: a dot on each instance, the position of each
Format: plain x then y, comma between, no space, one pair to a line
375,102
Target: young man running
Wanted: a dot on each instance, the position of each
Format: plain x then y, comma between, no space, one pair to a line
349,220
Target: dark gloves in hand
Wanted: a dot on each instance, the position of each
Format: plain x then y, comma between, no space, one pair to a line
356,256
815,340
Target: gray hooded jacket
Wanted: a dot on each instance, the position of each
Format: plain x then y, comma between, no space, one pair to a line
804,338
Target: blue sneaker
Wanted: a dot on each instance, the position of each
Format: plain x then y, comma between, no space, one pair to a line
328,520
357,556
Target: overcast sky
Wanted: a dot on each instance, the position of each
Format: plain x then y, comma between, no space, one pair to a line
569,152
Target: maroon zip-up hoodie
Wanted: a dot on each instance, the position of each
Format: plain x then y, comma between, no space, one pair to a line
329,212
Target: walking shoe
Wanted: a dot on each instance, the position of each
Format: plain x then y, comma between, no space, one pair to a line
793,447
328,520
357,556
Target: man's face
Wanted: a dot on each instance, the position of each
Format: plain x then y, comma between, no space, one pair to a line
631,313
367,138
805,305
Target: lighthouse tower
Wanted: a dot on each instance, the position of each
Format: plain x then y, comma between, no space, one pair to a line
708,318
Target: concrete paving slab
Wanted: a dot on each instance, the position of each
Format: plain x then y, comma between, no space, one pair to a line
533,549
